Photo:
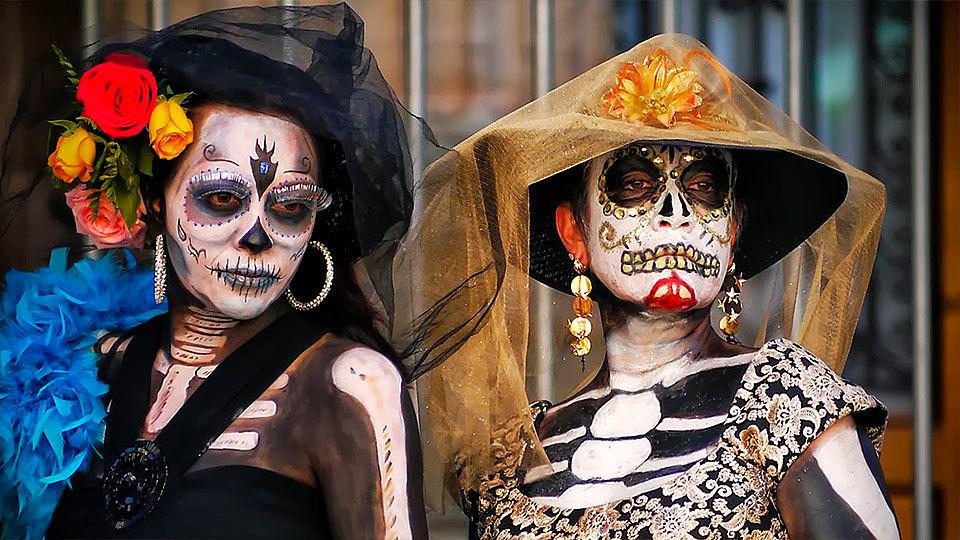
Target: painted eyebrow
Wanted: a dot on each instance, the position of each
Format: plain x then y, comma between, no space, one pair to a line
210,154
305,166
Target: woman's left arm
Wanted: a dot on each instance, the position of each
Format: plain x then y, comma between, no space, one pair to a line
379,459
835,489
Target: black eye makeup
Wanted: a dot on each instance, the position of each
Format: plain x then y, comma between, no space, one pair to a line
706,184
630,183
217,196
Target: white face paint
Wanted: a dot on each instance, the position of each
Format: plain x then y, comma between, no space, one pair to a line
240,209
659,224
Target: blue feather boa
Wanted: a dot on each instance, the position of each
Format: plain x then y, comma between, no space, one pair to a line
51,408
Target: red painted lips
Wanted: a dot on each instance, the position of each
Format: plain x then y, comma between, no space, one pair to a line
671,294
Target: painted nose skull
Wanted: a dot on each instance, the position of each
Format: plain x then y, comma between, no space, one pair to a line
256,239
674,212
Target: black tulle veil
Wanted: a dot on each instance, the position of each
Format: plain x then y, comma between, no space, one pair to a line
308,63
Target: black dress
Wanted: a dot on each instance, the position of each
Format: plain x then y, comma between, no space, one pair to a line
234,501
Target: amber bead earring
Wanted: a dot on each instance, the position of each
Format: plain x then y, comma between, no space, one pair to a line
580,326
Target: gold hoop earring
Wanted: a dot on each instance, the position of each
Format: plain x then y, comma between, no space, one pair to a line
730,304
327,281
159,271
580,326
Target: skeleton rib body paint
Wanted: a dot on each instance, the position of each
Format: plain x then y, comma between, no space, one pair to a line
661,216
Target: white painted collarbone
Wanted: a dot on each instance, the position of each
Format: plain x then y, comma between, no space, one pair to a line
669,374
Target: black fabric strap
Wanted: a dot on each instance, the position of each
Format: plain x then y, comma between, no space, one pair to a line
129,394
240,379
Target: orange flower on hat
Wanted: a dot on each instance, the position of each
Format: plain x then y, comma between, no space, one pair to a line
656,92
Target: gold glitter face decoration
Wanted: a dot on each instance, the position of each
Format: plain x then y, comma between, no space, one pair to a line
630,182
635,177
661,212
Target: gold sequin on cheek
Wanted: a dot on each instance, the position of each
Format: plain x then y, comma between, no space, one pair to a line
608,237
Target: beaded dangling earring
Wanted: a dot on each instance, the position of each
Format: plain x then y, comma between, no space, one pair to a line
580,326
159,271
730,304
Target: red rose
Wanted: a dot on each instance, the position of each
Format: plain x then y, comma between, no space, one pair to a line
119,95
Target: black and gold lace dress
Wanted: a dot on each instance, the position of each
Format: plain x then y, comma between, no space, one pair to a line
786,398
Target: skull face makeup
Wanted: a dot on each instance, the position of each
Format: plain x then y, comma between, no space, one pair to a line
659,224
240,209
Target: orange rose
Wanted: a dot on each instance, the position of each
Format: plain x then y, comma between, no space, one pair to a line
107,230
170,129
73,157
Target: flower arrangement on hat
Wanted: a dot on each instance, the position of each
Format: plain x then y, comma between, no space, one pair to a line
660,92
126,120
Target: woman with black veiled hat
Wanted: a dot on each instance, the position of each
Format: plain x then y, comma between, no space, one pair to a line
265,153
661,186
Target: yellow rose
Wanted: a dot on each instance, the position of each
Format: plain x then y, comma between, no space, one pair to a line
74,156
170,129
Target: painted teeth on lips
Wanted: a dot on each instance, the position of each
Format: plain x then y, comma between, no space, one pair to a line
666,289
669,257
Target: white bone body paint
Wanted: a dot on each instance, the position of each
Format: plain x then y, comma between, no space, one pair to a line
842,462
838,457
626,415
585,495
172,396
571,435
238,441
205,335
372,380
260,409
594,459
611,456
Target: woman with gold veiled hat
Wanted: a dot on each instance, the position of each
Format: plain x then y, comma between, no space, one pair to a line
660,185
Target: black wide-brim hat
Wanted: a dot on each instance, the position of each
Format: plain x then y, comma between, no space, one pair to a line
785,198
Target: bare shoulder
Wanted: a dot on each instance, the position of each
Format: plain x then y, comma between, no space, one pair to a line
367,375
343,386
